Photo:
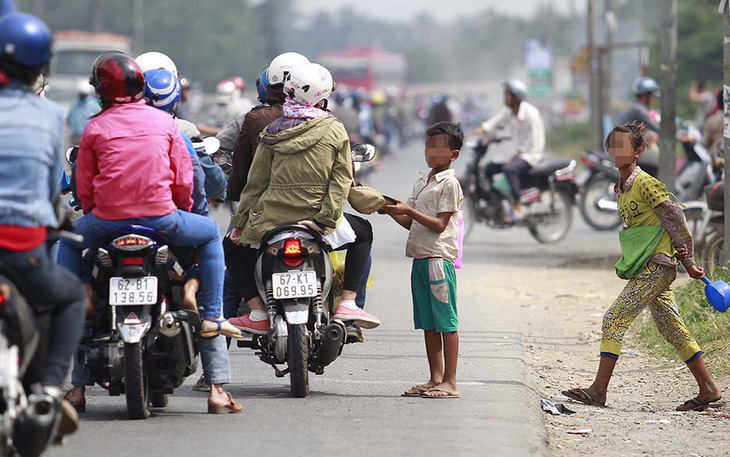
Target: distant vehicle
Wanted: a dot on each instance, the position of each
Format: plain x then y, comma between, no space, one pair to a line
74,52
368,68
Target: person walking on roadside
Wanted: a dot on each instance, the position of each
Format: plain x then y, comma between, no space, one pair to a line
655,235
430,216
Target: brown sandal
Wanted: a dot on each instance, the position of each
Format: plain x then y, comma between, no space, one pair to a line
231,407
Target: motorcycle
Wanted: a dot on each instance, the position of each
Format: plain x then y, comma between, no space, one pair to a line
140,341
30,413
294,278
548,196
598,204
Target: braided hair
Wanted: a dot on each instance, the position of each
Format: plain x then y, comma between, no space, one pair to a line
636,132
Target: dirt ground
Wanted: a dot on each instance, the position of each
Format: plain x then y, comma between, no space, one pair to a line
561,319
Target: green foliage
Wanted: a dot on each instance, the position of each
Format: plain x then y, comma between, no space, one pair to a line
568,140
710,328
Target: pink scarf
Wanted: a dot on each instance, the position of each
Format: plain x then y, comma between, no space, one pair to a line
298,110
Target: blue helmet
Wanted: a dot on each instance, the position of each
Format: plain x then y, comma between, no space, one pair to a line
24,40
161,89
262,85
644,85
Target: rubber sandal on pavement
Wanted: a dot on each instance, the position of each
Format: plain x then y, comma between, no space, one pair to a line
245,324
415,391
358,315
200,385
437,393
222,327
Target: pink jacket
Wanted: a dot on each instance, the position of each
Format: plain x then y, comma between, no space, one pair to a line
133,163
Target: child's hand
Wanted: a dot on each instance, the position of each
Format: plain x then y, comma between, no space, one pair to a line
695,272
397,210
682,252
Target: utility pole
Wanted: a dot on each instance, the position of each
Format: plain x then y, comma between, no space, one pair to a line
610,19
139,25
725,11
97,18
668,82
595,81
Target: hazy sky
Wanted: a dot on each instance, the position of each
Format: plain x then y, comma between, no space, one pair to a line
443,9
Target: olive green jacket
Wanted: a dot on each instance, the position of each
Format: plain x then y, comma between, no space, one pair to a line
298,173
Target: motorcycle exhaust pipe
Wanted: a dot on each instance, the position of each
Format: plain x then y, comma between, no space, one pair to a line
168,325
333,338
36,423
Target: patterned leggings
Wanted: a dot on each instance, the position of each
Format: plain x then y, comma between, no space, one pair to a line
653,288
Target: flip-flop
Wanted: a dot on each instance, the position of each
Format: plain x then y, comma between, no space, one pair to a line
415,391
220,330
695,404
586,399
449,394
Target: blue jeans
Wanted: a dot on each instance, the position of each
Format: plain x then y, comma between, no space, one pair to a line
181,228
57,300
363,289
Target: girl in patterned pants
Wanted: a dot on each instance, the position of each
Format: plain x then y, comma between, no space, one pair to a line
644,202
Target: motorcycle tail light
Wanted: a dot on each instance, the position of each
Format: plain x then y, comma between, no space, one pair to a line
132,242
587,162
293,254
128,261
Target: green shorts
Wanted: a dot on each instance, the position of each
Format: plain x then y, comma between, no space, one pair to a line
433,285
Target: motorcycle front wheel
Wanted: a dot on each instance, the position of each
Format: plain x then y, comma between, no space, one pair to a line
553,227
298,357
598,189
136,382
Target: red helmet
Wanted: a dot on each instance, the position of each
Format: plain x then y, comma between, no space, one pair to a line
117,78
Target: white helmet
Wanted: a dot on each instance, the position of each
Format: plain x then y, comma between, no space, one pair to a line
282,64
309,84
154,61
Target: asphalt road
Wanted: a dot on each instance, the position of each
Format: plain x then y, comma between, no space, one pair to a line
355,408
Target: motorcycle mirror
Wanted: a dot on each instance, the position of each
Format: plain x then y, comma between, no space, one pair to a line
71,154
363,152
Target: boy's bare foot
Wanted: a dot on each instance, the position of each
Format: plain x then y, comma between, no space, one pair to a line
417,391
589,396
443,390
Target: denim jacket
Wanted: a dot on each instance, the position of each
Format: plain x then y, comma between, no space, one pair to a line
32,132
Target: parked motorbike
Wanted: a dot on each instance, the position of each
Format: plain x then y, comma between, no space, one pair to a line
598,204
140,342
548,196
294,278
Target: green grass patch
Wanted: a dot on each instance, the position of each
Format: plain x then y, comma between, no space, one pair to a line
568,140
710,328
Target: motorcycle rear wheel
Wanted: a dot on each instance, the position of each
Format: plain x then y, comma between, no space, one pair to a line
599,187
136,382
545,233
298,357
714,254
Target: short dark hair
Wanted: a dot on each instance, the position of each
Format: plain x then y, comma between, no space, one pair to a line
27,75
451,130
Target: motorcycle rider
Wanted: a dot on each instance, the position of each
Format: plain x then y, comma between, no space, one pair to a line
133,168
31,151
85,106
302,171
645,90
526,128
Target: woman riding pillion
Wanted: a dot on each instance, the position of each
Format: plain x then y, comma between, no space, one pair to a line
133,168
301,173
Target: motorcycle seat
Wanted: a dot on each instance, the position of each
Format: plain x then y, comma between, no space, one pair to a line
546,167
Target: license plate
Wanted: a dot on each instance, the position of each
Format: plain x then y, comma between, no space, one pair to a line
300,284
133,291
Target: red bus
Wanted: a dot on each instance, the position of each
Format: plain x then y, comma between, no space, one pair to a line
368,68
